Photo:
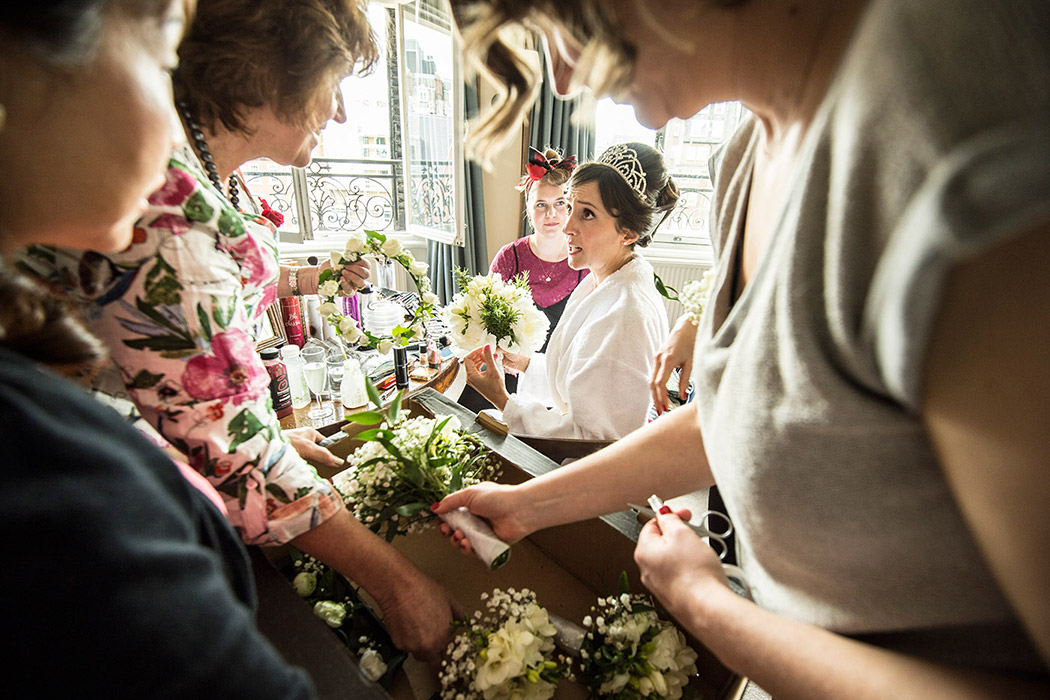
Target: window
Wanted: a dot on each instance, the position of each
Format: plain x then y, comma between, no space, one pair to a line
686,145
396,164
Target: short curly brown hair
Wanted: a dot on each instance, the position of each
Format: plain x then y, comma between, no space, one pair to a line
288,54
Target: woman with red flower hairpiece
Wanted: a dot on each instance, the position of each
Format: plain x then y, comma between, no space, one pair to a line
542,254
178,308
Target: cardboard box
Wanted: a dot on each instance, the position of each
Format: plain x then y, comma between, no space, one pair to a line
568,566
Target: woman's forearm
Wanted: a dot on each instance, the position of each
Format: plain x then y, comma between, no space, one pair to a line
792,660
664,457
350,548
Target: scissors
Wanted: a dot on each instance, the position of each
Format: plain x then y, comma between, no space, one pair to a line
713,526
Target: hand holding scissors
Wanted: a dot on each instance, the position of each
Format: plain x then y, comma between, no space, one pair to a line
713,526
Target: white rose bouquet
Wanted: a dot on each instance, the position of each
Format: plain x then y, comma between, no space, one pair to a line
358,245
506,652
405,465
629,653
488,310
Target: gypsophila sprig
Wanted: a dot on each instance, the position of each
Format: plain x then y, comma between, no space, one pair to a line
383,248
629,653
405,465
504,652
488,310
694,296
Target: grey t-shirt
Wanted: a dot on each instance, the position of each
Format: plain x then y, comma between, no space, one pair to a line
932,145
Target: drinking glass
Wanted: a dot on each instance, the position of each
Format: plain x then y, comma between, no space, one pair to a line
335,360
316,371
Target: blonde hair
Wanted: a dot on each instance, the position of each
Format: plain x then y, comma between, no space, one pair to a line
606,61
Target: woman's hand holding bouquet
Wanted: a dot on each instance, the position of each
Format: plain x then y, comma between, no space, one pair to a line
406,464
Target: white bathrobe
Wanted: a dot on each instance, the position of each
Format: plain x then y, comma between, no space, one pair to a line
597,365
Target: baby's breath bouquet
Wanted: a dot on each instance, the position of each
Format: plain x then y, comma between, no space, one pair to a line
505,652
383,248
694,295
629,653
489,311
406,464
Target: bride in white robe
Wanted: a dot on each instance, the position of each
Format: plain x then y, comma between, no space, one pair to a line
595,373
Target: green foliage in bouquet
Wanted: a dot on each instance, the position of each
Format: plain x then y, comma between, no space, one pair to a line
406,464
629,653
505,652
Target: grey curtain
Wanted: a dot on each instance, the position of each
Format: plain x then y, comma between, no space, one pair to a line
444,258
550,125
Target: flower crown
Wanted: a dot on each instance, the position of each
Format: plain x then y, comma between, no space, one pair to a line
382,248
624,160
539,165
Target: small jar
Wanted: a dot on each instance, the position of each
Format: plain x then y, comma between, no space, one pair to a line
433,355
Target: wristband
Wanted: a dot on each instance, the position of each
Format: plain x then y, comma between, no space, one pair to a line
293,280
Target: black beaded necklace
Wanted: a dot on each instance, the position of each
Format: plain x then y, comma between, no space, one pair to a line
205,153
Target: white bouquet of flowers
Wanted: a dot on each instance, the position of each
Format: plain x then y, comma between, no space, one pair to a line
506,652
629,653
488,310
383,248
405,465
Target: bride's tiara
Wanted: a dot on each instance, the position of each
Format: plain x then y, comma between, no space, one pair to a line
624,160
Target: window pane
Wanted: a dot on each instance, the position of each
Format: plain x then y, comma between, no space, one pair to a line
272,182
686,145
351,183
429,119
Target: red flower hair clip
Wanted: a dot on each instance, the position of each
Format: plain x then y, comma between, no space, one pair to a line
539,165
275,217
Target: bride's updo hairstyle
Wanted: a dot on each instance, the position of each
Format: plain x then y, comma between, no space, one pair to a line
634,185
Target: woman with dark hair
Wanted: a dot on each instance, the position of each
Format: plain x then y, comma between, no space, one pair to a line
126,581
871,361
178,307
598,360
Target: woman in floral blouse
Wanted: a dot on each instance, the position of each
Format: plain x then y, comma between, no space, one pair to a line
178,307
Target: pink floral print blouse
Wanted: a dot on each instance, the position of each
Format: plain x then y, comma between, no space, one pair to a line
177,310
